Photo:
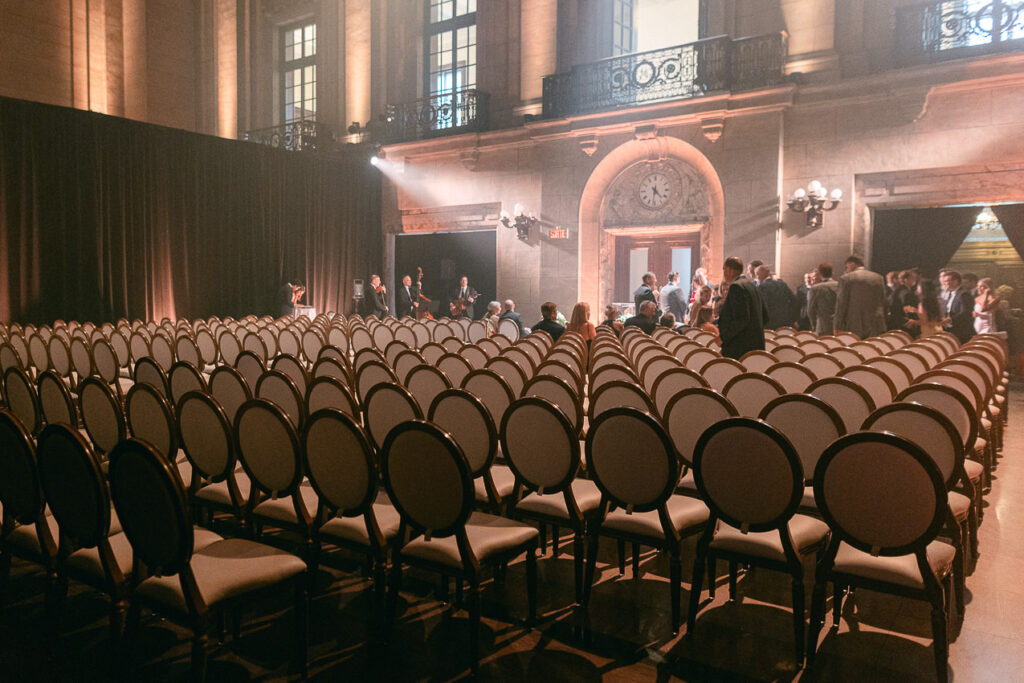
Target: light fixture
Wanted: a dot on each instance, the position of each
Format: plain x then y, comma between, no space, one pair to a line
520,220
374,160
814,201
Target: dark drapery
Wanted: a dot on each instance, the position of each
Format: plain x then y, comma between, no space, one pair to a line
102,218
1011,217
923,238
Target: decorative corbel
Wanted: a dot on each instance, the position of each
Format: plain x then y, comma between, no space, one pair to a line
712,128
588,144
469,158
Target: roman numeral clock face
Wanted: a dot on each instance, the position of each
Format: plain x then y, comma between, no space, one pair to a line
654,190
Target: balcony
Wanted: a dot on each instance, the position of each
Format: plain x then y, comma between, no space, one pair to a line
449,113
954,29
673,73
298,136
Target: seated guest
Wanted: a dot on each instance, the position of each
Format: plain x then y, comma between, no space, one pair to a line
549,322
509,312
493,312
701,310
646,319
611,319
668,320
579,321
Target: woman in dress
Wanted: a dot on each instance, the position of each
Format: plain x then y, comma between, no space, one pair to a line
985,307
579,322
700,310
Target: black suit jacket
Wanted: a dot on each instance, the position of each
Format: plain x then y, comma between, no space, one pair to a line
376,303
404,302
961,315
514,317
741,319
553,328
470,294
284,300
644,293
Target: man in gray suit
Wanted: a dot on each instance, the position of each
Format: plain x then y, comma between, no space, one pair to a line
673,298
821,300
860,301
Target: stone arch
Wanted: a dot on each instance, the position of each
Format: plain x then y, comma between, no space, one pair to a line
591,257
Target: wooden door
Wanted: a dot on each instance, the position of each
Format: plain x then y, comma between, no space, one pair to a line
658,254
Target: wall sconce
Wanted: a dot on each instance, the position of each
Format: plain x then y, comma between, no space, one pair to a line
520,220
814,201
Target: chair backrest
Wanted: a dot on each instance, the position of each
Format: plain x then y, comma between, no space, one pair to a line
616,394
951,403
290,366
669,383
329,392
847,356
206,435
566,371
951,378
427,478
20,397
850,400
492,390
207,347
466,419
151,506
370,375
187,351
60,356
758,361
425,382
404,363
631,459
229,347
105,360
928,428
55,400
278,388
698,358
73,483
37,352
102,414
719,371
787,353
821,364
338,459
880,493
183,378
230,389
163,352
808,423
896,371
541,446
151,418
874,380
748,474
81,359
20,492
751,392
251,367
560,394
148,372
689,413
793,377
385,406
268,447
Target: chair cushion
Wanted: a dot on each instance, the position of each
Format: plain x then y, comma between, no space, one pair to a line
959,504
218,493
980,446
223,570
504,483
283,510
974,469
353,529
125,383
986,424
901,570
684,512
25,538
807,501
687,483
586,493
87,560
488,535
805,531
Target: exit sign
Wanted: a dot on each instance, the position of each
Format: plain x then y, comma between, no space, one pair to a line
558,233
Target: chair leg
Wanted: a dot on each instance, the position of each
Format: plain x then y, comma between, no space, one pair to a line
712,575
5,574
531,583
940,644
543,528
301,626
577,564
636,561
696,584
972,526
588,582
798,616
818,607
734,571
556,533
837,604
199,641
395,582
676,579
622,557
474,623
959,576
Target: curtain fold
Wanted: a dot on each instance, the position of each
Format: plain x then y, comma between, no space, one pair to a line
102,218
1011,216
922,238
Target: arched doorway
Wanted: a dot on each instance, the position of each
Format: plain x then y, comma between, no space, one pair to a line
659,189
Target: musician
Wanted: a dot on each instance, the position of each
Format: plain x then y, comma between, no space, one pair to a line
407,298
463,298
288,298
376,298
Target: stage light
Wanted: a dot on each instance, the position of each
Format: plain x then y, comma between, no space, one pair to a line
374,160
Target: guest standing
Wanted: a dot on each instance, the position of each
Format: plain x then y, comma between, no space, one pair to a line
959,313
646,292
673,298
778,299
860,301
741,318
821,302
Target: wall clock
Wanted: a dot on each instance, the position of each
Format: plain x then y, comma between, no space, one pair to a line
654,190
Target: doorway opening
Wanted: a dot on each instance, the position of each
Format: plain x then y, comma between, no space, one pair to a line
659,253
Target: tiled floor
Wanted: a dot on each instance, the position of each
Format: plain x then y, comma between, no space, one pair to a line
625,636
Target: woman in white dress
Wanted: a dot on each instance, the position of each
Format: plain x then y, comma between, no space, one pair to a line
985,306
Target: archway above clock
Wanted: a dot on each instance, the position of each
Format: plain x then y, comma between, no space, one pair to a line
619,199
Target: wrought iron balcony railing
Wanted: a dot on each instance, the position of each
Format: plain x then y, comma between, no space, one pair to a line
957,28
297,136
680,72
448,113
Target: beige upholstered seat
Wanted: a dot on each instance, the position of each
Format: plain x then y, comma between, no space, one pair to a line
804,530
487,535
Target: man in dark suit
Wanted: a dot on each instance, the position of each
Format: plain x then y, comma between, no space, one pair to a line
407,299
464,295
287,298
376,298
673,297
549,320
645,292
778,299
959,310
644,319
741,318
508,312
860,301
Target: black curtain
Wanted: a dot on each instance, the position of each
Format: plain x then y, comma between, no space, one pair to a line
1011,216
923,238
102,218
